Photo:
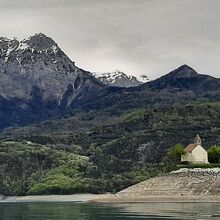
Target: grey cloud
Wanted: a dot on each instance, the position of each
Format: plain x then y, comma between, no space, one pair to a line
137,36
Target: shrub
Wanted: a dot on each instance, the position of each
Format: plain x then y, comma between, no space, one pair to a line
174,154
214,154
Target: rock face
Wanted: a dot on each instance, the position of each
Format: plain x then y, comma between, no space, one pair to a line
38,80
34,63
184,182
120,79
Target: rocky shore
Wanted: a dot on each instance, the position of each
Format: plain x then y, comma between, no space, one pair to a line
183,185
183,182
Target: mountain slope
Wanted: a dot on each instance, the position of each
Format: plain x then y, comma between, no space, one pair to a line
120,79
39,80
187,78
151,130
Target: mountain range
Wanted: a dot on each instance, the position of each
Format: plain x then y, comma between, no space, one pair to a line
38,82
64,131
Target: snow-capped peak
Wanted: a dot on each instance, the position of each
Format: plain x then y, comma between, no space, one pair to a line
37,44
143,78
119,78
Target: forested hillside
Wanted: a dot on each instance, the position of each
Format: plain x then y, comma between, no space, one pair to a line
115,155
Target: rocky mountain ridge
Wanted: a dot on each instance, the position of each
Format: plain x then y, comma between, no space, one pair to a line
38,80
36,62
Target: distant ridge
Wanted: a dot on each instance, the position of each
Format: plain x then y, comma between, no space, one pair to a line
120,79
183,84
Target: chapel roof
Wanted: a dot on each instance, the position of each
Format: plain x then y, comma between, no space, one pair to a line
190,147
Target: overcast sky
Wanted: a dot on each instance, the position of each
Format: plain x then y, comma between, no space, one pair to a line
149,37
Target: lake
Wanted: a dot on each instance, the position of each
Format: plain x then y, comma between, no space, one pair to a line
86,211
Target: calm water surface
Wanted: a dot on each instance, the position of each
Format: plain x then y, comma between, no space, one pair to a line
82,211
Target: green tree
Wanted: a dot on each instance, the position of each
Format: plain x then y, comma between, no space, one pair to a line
174,154
214,154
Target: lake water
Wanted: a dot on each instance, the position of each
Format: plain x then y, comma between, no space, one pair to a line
83,211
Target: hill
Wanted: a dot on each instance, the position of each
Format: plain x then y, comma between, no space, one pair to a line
186,78
139,137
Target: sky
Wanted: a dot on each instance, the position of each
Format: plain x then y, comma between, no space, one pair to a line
150,37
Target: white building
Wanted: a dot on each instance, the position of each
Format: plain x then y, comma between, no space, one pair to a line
195,153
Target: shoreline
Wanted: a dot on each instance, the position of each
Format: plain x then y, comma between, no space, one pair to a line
157,199
51,198
109,199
